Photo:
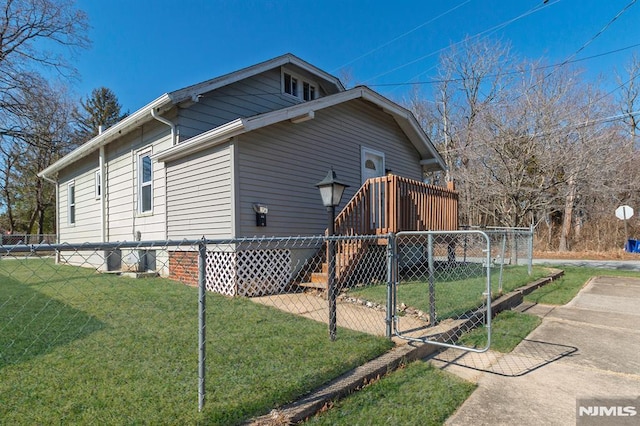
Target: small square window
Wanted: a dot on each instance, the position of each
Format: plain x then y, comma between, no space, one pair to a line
295,86
290,85
308,91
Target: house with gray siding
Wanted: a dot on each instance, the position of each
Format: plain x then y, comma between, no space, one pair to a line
197,161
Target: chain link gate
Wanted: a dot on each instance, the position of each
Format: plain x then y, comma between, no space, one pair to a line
441,287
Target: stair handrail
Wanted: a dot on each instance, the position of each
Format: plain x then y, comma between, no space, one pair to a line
400,204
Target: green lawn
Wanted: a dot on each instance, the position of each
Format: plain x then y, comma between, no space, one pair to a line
78,347
508,329
454,295
562,290
418,394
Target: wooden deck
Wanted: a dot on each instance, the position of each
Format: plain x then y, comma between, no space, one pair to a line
394,203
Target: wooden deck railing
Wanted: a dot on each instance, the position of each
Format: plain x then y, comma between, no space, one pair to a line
394,203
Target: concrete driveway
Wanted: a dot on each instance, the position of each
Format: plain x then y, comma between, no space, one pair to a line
587,349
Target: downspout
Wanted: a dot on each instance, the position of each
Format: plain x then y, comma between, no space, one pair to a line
103,196
168,123
55,184
173,143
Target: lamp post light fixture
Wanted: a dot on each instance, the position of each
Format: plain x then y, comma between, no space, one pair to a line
331,191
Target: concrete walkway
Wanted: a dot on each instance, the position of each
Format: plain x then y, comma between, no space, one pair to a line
623,265
589,348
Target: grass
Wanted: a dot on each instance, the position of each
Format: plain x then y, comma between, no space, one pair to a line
417,394
78,347
508,329
454,296
420,394
562,290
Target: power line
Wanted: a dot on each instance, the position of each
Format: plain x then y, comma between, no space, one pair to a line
477,35
598,34
434,81
402,35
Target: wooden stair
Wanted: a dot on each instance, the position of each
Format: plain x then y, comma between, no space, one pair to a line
382,205
347,255
319,280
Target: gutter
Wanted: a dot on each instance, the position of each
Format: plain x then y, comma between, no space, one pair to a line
103,196
140,116
169,123
197,143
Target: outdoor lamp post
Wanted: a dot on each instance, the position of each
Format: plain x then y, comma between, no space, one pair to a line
331,191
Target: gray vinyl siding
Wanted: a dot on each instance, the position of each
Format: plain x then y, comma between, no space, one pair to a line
199,195
124,220
87,210
254,95
279,166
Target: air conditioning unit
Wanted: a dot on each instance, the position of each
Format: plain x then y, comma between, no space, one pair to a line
139,261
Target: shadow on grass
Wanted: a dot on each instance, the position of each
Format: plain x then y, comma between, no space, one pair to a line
33,324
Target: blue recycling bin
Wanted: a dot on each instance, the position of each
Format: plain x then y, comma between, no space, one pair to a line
632,246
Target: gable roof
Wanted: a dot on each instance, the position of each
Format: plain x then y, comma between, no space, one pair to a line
430,158
168,100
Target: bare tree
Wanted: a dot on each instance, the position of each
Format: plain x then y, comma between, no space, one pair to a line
35,35
45,136
629,97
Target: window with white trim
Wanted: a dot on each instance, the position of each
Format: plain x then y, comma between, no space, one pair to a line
98,184
145,183
297,87
71,203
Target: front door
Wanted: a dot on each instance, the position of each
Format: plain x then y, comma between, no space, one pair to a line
372,164
372,167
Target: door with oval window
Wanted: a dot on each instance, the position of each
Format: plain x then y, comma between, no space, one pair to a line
372,167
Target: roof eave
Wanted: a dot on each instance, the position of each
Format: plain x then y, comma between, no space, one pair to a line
430,158
193,91
140,116
204,140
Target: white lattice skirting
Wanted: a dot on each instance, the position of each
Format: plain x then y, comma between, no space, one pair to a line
249,272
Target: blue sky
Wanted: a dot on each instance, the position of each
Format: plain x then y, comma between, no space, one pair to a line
142,49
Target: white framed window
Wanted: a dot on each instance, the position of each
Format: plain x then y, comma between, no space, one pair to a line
145,183
296,86
308,91
290,85
98,184
71,203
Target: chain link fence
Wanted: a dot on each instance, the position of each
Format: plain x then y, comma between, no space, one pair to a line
86,304
443,286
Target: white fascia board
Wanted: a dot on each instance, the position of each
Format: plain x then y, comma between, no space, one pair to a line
403,117
140,116
200,88
243,125
408,123
203,140
317,71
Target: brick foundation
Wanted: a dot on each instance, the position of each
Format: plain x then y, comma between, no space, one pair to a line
183,267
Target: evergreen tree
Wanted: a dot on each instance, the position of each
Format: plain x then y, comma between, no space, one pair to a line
100,109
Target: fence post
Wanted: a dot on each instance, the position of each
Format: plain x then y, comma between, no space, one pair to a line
530,260
202,322
502,254
432,285
392,267
331,288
